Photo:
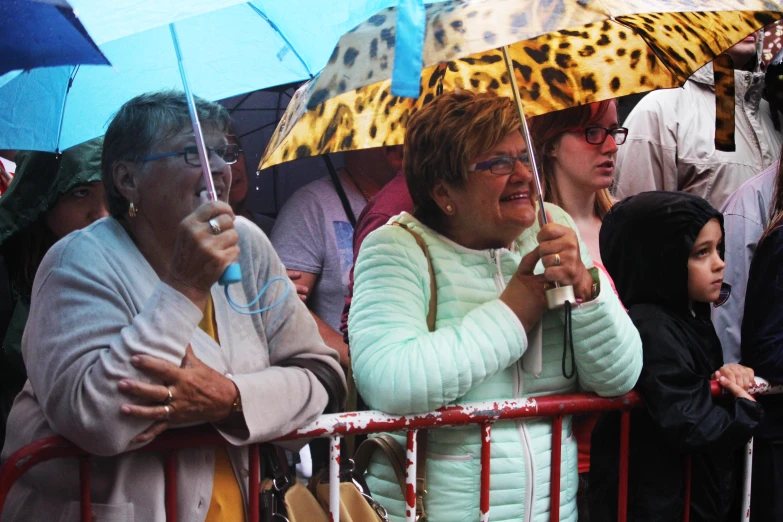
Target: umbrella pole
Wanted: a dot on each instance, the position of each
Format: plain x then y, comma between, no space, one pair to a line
232,273
556,297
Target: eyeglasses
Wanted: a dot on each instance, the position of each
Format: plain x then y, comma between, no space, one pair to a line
502,165
597,135
228,153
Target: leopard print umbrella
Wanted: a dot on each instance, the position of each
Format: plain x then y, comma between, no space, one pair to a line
564,52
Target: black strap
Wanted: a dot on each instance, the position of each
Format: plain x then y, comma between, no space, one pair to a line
340,190
568,341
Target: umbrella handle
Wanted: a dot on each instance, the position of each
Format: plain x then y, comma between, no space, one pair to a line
232,273
555,297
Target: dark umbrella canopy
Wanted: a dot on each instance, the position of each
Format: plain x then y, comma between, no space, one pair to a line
42,34
41,178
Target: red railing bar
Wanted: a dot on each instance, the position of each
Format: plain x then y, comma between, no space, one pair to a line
84,488
486,455
686,515
254,475
554,481
170,474
622,483
334,479
410,476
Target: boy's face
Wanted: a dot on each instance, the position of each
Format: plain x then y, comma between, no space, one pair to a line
705,267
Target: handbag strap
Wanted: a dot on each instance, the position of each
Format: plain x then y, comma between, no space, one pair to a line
433,306
395,453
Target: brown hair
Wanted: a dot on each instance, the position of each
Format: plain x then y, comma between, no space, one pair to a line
546,129
776,205
445,136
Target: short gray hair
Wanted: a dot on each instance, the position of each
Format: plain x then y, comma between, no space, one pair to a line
141,124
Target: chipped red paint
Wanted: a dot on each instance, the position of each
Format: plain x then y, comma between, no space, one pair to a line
345,424
486,455
554,474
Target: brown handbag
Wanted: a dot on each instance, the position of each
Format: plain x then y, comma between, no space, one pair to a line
387,444
285,499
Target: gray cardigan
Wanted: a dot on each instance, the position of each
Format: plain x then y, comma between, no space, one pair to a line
97,302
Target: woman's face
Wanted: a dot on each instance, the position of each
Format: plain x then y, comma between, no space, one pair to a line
583,165
169,189
77,208
492,210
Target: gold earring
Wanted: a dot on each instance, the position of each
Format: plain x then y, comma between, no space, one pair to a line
449,209
132,210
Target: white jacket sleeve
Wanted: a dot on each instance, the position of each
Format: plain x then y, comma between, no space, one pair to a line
648,158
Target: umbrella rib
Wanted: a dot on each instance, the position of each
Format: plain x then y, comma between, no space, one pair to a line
282,35
62,111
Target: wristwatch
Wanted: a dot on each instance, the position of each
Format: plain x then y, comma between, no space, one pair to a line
595,289
236,407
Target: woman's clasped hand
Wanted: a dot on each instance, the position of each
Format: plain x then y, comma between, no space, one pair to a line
558,250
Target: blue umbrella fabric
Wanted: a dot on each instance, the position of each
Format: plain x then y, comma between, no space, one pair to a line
43,34
228,47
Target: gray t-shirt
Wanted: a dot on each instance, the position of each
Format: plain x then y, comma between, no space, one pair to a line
313,234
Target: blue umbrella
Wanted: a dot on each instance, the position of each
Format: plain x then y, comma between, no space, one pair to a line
43,34
228,48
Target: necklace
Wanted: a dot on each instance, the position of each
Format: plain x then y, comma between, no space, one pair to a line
358,187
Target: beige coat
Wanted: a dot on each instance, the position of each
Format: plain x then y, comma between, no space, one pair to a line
671,136
96,302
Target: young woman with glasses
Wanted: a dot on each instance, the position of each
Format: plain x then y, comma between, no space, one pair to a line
576,150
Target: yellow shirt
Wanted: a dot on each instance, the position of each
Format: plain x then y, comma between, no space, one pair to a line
226,504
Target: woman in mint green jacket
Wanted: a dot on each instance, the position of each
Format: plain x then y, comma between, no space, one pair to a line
468,173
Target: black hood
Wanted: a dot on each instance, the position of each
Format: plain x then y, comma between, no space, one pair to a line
645,244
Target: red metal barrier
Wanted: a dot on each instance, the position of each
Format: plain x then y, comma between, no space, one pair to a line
338,425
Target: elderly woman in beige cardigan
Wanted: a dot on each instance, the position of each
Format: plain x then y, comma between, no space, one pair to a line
130,335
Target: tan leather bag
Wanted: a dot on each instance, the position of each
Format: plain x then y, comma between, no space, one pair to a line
387,444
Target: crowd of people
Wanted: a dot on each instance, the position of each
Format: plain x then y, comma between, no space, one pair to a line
421,273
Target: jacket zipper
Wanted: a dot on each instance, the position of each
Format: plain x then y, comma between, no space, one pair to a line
524,436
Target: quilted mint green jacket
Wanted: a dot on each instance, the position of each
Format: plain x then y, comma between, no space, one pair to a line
475,354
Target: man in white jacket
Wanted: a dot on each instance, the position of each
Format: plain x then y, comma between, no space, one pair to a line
671,133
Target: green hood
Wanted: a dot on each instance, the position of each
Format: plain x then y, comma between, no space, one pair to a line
41,178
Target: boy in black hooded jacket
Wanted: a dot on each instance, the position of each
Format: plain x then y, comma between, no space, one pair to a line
664,251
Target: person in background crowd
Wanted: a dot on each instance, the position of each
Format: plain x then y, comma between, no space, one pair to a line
52,195
314,235
665,252
7,169
576,150
671,135
239,193
746,215
391,200
135,336
762,350
466,166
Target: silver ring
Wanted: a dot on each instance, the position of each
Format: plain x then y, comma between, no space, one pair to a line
168,411
557,260
215,227
170,398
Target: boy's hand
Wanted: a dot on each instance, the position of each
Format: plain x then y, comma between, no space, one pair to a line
735,389
740,375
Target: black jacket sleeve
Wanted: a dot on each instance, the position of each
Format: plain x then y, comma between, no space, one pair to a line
762,326
678,396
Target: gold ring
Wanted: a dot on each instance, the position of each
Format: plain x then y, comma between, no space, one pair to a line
557,260
215,226
168,411
170,398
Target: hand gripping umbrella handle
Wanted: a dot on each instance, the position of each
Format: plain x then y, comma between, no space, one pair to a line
555,297
232,273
